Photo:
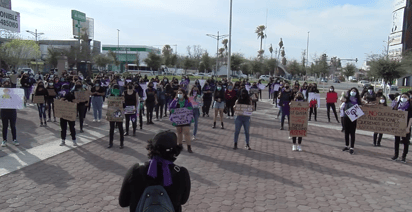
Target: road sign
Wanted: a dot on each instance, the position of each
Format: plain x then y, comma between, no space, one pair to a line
9,20
78,16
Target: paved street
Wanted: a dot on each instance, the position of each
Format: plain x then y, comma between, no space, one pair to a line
270,177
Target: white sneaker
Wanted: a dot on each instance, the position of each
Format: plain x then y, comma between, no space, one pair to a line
293,147
161,119
4,143
16,143
228,117
62,143
289,137
74,143
98,120
157,119
94,120
299,148
194,138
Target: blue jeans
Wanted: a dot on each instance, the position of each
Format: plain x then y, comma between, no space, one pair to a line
245,121
196,115
27,92
97,104
42,111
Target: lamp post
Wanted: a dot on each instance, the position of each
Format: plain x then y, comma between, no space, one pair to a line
36,35
230,41
217,37
307,55
118,47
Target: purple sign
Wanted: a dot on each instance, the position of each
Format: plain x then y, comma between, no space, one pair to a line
181,116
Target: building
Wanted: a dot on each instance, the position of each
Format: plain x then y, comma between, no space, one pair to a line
127,54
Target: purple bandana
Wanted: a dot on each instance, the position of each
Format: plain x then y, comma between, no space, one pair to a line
353,100
403,106
152,172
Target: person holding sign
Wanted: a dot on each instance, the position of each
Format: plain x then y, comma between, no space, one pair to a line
115,92
52,91
298,98
69,97
9,115
207,99
182,101
219,104
41,106
97,93
377,137
331,99
81,106
313,102
350,127
276,88
131,101
404,105
242,120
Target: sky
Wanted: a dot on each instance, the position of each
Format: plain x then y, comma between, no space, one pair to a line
345,29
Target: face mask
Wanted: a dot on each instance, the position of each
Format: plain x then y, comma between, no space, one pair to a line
331,89
230,87
370,91
97,85
219,88
352,93
404,100
287,87
165,80
51,84
299,98
180,96
382,101
130,87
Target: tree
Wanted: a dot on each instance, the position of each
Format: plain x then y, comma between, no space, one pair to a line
102,60
256,66
52,55
246,68
167,55
271,51
187,63
18,52
349,70
236,62
294,68
114,58
206,61
270,66
137,60
260,31
153,61
280,46
202,67
381,67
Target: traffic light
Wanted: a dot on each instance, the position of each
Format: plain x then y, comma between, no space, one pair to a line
356,60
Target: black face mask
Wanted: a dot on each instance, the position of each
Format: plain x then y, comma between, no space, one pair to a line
130,87
244,96
287,87
78,87
299,98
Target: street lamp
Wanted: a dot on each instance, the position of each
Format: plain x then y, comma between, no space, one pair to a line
217,37
36,35
307,55
230,41
118,47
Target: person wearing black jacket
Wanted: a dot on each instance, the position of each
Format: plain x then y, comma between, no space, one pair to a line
163,151
219,105
130,99
9,115
151,101
116,92
207,99
168,94
65,95
284,99
50,99
41,91
404,104
26,84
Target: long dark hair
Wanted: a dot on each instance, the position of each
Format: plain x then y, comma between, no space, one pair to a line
384,104
357,96
244,97
184,93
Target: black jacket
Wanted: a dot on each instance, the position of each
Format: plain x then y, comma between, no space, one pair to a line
137,180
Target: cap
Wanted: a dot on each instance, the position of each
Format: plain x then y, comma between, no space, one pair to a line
164,139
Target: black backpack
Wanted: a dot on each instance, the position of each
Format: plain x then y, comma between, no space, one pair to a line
155,199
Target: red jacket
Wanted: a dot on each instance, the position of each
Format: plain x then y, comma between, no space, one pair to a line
230,95
331,97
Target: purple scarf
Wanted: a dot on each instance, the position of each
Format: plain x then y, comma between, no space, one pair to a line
353,100
403,106
152,172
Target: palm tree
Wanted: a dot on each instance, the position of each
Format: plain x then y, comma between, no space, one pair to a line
260,31
225,42
271,51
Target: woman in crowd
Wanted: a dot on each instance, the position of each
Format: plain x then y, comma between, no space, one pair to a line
207,99
182,101
284,99
26,84
9,115
270,86
298,98
161,98
81,106
313,103
254,96
242,120
168,94
304,89
130,100
50,99
403,104
342,111
41,91
331,99
97,93
115,92
350,127
377,137
230,96
369,95
66,95
195,93
276,92
151,101
160,170
260,91
219,104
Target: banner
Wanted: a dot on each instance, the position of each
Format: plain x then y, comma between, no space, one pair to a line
65,110
354,112
115,109
314,97
11,98
82,96
130,110
243,110
202,83
51,92
181,116
196,102
38,99
381,119
261,86
298,119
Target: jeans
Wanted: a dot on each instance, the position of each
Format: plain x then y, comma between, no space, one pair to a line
42,111
27,92
245,121
350,129
196,114
299,140
405,141
63,126
6,116
97,103
328,106
120,127
50,105
159,107
133,118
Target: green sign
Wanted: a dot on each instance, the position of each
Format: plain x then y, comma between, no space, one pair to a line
79,16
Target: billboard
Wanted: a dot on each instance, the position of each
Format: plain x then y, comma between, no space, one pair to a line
79,28
397,20
395,52
9,20
398,4
395,38
6,4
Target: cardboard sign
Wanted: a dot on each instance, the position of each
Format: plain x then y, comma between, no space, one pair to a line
82,96
51,92
298,126
181,116
130,110
38,99
261,86
115,109
384,120
314,96
196,102
11,98
243,110
354,112
65,110
202,83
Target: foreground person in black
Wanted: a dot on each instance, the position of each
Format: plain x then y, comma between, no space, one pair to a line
160,170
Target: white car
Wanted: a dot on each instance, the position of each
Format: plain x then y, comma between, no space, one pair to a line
392,87
264,77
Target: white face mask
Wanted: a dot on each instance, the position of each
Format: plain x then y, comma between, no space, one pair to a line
370,91
180,96
331,89
404,100
353,93
382,101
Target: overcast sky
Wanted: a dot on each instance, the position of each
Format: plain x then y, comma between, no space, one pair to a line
346,29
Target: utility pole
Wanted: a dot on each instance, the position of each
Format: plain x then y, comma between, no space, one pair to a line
36,35
307,55
217,37
118,47
230,40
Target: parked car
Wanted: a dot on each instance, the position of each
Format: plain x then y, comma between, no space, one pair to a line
324,80
366,85
362,83
336,81
264,77
392,87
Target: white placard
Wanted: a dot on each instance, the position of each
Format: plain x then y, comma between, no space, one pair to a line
261,86
248,87
276,88
354,112
121,83
314,96
11,98
202,82
9,20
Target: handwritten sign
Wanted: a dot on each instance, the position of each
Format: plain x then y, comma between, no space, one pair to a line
197,102
202,82
11,98
248,87
314,97
181,116
82,96
384,120
276,88
130,110
261,86
38,99
298,119
115,109
65,110
243,110
354,112
51,92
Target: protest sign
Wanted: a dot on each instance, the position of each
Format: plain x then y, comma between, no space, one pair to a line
82,96
354,112
243,110
65,110
11,98
276,87
181,116
384,120
248,87
298,126
202,82
253,91
115,109
144,87
196,102
261,86
51,92
130,110
128,81
38,99
121,83
314,97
